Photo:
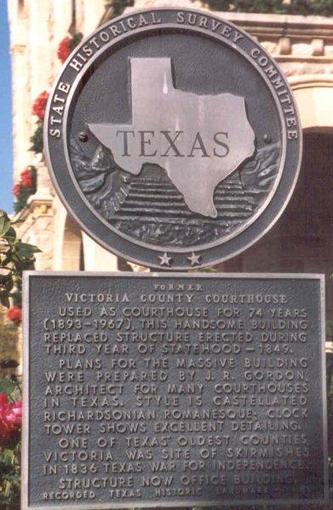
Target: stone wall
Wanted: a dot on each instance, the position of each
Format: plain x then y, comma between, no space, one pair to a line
36,29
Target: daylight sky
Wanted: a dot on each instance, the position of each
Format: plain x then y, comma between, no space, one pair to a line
6,198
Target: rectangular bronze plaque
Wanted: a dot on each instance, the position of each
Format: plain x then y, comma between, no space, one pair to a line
173,390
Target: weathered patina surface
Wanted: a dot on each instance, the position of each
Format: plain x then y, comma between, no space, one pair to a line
173,138
173,390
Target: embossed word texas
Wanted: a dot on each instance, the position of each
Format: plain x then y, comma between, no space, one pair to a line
166,130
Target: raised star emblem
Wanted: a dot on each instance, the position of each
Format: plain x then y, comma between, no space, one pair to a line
165,259
194,259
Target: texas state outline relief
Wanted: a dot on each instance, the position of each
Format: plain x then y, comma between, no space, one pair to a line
198,139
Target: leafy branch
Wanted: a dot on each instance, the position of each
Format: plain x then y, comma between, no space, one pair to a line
15,257
303,7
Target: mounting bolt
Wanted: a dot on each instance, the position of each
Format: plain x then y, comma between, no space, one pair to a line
267,138
83,137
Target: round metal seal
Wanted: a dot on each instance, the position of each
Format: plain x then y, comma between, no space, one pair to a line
173,138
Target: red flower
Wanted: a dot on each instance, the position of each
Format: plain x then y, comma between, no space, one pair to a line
38,108
5,428
27,182
10,417
26,178
14,314
16,190
64,49
67,45
14,414
3,400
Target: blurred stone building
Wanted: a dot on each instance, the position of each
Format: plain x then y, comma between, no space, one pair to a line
302,239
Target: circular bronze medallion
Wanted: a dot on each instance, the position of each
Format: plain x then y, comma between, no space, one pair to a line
173,138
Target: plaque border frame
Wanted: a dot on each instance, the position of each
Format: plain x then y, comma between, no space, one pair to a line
122,245
27,275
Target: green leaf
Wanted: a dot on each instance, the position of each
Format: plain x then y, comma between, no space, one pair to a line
4,300
9,284
8,456
7,259
76,39
37,140
10,235
26,250
7,386
4,223
5,278
34,248
9,363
